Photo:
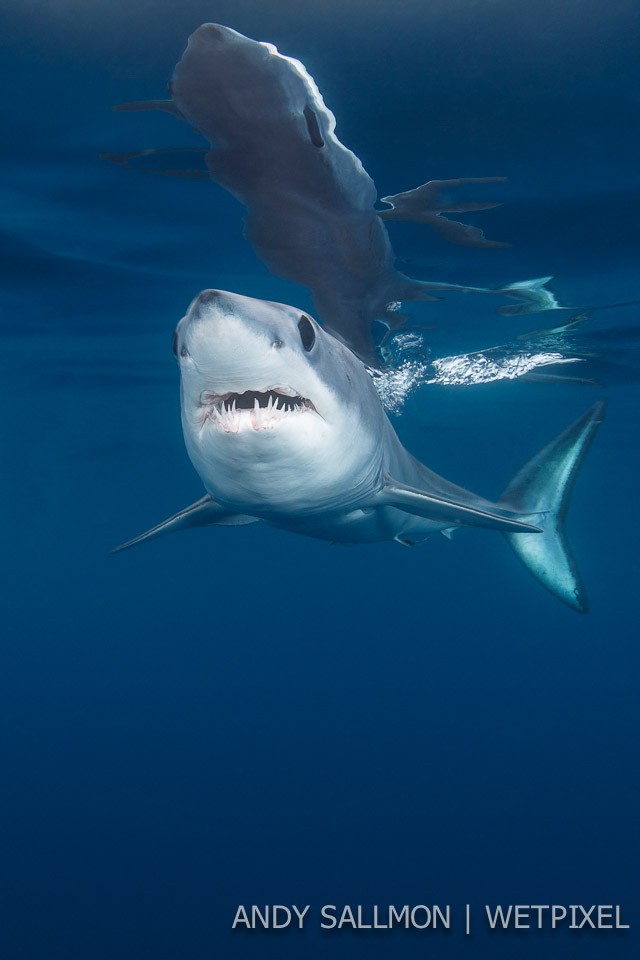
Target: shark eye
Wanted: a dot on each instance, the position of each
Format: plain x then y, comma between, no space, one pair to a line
307,333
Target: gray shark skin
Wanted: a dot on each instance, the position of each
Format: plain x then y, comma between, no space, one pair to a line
309,201
284,425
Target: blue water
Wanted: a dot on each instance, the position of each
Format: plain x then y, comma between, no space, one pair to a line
237,715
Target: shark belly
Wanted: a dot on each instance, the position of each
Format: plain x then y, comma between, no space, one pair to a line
359,525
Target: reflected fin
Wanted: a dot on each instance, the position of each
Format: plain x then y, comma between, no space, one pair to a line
134,106
559,378
568,325
533,297
137,160
423,205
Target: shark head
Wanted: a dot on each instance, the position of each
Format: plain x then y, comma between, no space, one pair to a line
225,80
277,415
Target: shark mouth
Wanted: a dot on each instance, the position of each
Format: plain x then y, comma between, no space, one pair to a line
255,409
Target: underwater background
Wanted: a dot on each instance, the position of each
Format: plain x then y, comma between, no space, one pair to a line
238,715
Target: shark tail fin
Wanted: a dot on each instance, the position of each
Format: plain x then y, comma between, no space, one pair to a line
540,493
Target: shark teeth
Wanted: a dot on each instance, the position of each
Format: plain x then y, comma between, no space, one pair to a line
262,409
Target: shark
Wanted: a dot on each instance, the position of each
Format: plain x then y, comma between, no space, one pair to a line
284,425
311,212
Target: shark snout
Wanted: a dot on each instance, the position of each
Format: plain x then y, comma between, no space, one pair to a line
210,299
210,34
212,31
207,296
233,342
212,315
217,315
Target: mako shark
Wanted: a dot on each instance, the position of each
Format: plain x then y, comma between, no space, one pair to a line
311,205
311,214
284,425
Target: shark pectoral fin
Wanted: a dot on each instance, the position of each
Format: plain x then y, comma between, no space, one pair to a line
447,510
202,513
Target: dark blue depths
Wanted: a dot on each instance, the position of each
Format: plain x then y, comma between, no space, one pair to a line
240,716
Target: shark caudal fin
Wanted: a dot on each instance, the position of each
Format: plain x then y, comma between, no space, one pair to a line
540,494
